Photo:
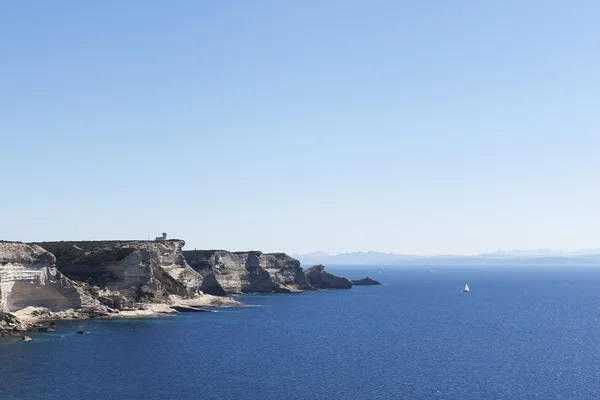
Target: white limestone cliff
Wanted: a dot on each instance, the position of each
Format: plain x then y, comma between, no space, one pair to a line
28,277
225,272
125,274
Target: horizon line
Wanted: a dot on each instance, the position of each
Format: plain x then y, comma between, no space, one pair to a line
541,249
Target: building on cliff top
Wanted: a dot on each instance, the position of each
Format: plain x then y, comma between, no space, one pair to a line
163,237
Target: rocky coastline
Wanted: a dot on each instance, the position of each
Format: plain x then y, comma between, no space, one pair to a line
50,281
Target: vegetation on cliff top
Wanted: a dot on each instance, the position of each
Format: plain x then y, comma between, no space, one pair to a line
86,253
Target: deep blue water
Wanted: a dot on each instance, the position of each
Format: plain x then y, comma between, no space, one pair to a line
529,333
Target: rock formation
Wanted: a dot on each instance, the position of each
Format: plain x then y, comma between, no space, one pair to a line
123,273
53,280
365,282
224,272
30,280
28,277
10,324
91,279
321,279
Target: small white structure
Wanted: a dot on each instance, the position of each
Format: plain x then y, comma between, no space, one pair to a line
163,237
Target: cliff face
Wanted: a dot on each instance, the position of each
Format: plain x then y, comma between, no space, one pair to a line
321,279
28,277
127,272
224,272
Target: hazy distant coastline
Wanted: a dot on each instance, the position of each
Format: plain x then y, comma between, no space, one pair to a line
516,257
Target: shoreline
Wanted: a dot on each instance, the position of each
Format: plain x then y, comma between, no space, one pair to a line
53,281
31,318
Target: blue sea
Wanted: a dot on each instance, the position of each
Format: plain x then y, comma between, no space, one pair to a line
521,333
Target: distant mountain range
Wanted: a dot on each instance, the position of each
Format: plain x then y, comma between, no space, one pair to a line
514,257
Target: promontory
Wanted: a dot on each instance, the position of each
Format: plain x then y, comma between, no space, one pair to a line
116,279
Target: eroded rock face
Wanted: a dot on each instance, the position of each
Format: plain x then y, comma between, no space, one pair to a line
9,324
321,279
365,282
128,272
225,272
28,277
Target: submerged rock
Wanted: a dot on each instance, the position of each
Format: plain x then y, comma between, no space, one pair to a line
189,309
321,279
46,329
365,282
26,339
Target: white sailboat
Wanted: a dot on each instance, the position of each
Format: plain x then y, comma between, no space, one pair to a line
466,288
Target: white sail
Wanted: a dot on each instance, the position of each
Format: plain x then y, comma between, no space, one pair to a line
466,288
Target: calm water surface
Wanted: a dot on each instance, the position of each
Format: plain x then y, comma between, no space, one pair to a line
528,333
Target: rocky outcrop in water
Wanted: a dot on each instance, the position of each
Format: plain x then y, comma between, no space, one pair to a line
225,272
321,279
365,282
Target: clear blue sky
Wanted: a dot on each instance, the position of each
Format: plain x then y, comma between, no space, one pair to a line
411,127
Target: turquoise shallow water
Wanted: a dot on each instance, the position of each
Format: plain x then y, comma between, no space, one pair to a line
520,333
